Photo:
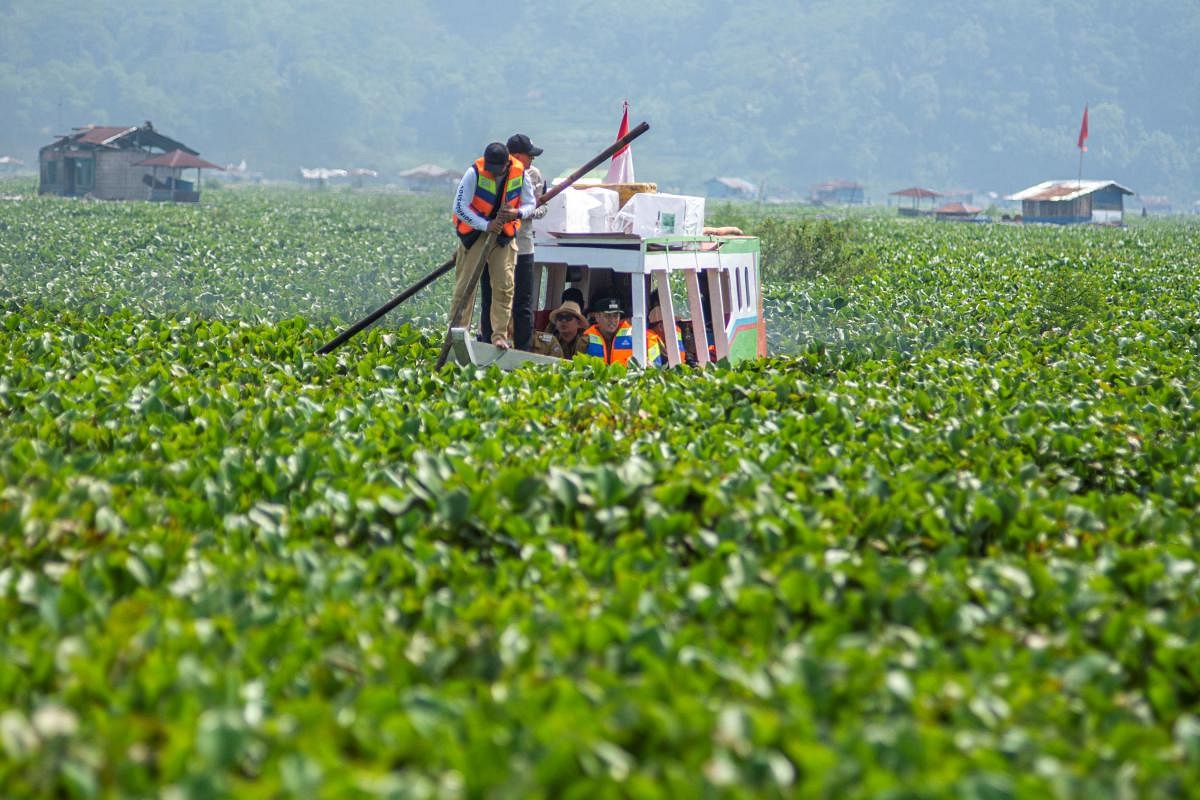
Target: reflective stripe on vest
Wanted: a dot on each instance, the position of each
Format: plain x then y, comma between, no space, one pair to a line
678,340
484,199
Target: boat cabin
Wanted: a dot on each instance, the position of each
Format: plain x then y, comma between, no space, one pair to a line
716,299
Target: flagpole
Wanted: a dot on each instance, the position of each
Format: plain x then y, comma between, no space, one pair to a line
1083,134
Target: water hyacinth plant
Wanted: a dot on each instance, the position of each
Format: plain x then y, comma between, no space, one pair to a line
941,543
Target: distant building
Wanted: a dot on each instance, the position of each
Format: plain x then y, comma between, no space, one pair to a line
169,185
240,173
429,178
10,163
1070,202
361,174
730,188
965,196
112,163
916,194
841,192
1155,203
319,177
956,211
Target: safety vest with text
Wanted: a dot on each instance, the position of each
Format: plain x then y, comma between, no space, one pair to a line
486,194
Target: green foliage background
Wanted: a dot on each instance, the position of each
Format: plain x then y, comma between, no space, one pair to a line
987,96
941,545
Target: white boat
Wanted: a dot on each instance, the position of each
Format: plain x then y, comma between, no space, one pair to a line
717,299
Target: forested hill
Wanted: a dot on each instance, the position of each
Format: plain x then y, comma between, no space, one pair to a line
986,96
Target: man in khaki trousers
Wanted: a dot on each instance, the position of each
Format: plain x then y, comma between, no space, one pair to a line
494,197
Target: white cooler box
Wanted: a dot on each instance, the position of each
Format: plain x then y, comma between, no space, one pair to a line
662,215
579,211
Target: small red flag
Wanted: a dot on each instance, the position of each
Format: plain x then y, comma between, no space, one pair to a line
620,169
1083,131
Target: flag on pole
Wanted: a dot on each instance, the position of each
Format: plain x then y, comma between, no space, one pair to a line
1083,131
621,168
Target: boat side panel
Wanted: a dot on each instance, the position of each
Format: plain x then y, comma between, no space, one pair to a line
743,341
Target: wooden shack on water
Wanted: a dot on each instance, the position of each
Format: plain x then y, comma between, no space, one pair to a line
916,194
119,163
839,192
730,188
429,178
1070,202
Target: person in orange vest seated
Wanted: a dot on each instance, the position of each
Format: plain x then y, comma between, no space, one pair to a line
654,325
564,338
494,197
611,338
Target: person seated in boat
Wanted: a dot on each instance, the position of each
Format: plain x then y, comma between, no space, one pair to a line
575,295
563,338
611,338
654,325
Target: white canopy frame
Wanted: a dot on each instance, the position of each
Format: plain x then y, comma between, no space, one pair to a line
657,260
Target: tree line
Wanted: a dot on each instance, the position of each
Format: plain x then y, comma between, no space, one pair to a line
888,93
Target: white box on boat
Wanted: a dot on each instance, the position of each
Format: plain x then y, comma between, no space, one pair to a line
662,215
579,211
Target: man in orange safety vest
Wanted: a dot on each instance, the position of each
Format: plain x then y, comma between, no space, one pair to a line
493,196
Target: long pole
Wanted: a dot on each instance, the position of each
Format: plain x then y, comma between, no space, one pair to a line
1082,148
457,312
346,335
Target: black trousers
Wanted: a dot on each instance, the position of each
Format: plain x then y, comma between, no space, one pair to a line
522,311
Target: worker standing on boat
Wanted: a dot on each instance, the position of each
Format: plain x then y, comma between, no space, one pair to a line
611,338
492,196
522,149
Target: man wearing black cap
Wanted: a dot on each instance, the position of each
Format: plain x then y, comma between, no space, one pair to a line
611,338
493,196
523,150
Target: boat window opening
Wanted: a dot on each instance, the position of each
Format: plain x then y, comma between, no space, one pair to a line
726,296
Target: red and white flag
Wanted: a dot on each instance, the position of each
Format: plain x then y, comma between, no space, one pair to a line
1083,131
621,168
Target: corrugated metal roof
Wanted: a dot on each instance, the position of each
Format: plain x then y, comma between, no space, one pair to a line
738,184
916,191
100,134
957,208
116,137
428,171
1065,190
830,186
176,159
322,173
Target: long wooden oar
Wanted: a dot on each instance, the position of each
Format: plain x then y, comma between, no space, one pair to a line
345,335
